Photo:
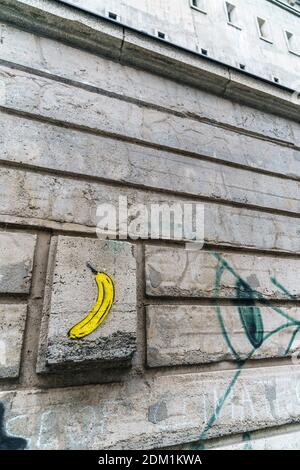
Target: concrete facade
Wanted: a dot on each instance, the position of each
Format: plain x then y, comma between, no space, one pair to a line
260,37
95,114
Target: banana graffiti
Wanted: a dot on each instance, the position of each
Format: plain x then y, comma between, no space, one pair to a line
101,308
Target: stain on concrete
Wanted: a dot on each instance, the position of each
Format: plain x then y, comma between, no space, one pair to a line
154,277
114,246
158,412
270,390
253,281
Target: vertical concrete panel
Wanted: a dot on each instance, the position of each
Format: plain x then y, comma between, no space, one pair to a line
80,296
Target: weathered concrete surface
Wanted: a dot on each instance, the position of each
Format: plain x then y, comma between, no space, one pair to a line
47,199
25,92
133,83
12,326
196,274
87,33
163,411
279,441
65,128
190,28
189,334
69,151
16,260
280,438
72,292
131,48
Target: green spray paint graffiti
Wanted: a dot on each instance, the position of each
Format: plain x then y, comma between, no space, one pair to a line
252,321
247,441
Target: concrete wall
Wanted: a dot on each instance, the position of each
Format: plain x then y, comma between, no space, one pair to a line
236,43
200,347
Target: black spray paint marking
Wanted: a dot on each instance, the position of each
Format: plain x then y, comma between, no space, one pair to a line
9,442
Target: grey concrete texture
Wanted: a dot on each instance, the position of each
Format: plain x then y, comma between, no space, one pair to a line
69,151
47,197
191,334
78,129
162,411
16,261
72,292
46,203
67,24
286,439
282,438
12,327
230,43
27,93
196,271
96,35
107,76
65,21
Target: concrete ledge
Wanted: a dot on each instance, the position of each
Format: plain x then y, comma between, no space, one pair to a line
87,31
162,411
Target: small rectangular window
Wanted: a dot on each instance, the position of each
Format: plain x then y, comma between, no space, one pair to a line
231,12
112,16
198,5
204,51
264,30
161,35
291,41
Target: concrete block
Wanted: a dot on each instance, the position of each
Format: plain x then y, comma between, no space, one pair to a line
16,261
64,150
189,334
200,274
59,202
155,411
12,326
71,294
28,93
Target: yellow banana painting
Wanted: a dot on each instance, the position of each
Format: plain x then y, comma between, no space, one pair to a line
101,308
